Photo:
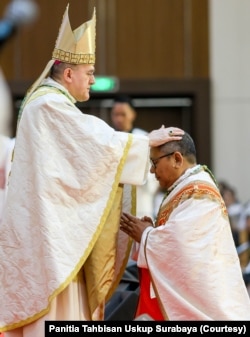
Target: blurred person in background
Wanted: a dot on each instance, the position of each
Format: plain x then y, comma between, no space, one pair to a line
123,115
234,206
235,213
246,269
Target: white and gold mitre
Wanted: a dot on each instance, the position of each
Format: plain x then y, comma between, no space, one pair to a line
75,47
78,46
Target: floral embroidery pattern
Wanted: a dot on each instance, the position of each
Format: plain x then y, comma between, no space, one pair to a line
196,190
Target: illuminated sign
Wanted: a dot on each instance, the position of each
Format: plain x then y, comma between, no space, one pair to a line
105,84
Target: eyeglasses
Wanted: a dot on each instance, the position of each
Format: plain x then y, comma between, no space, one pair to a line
155,161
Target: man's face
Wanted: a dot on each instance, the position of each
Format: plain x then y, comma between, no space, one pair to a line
82,78
163,168
122,116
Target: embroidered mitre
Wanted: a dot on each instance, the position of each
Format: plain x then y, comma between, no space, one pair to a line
76,46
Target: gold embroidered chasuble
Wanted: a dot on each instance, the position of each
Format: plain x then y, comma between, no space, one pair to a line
71,177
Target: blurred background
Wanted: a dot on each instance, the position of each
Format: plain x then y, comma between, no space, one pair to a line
183,62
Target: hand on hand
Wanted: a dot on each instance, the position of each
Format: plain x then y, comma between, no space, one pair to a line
164,135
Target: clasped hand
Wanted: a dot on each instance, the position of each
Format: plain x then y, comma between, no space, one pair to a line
134,226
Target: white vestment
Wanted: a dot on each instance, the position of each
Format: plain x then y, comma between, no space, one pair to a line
145,193
191,257
61,251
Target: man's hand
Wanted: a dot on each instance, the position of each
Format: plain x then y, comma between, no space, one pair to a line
133,226
164,135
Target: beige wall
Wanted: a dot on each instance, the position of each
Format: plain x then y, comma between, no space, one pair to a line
230,106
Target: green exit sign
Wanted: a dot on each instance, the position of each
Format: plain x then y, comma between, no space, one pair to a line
105,84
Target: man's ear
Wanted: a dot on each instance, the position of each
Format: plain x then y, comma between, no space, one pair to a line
67,75
178,158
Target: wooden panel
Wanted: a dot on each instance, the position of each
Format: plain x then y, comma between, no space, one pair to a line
200,40
6,55
149,38
168,38
33,45
43,35
135,38
195,118
198,90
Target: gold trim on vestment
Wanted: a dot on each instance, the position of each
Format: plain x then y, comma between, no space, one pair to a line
196,190
99,268
87,252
